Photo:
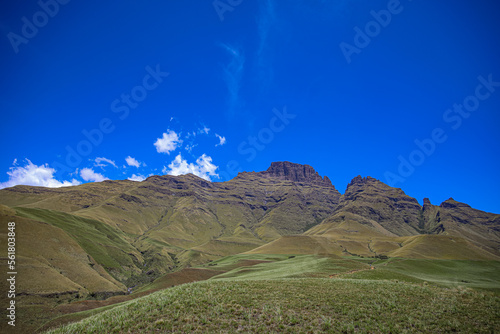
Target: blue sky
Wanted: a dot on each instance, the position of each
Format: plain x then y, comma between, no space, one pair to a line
404,91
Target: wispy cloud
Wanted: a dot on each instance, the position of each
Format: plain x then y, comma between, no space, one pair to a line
222,140
103,162
33,175
233,73
132,162
204,130
266,18
265,22
190,147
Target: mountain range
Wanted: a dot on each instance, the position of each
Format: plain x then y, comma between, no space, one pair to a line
97,239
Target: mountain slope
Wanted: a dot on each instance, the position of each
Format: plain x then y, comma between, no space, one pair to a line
140,230
372,215
391,208
137,231
48,252
96,240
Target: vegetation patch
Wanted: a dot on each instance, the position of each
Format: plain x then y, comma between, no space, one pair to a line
108,246
300,305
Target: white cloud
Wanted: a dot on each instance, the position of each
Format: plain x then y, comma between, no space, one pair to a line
203,167
33,175
205,130
137,178
191,134
168,143
132,162
222,140
103,162
189,148
88,174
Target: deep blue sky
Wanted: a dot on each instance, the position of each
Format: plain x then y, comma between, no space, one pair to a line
350,118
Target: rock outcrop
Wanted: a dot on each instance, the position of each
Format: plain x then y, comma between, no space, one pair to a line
147,228
285,170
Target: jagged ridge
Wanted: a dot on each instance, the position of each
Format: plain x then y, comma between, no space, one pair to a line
168,222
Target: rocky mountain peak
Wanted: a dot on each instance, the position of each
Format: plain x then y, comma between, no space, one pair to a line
360,182
427,204
451,203
295,172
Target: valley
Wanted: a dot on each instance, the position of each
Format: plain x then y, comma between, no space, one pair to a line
87,249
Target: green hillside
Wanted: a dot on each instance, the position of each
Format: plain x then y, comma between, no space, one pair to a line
88,246
452,279
300,305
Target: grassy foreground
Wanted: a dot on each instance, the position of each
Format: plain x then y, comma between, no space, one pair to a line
309,305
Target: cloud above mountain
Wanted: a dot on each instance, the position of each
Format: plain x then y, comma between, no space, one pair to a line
203,167
137,178
132,162
103,162
34,175
168,143
88,174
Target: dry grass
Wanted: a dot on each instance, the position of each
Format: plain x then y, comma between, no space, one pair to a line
300,306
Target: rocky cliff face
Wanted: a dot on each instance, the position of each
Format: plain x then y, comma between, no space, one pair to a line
169,221
450,203
390,211
285,170
369,198
479,227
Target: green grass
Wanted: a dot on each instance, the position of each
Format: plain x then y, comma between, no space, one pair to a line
108,246
294,267
291,293
450,273
308,305
234,261
77,316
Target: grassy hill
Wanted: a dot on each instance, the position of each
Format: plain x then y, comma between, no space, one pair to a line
84,247
300,305
164,217
420,247
280,295
64,265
